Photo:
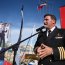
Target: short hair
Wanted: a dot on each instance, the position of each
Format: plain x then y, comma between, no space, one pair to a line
51,15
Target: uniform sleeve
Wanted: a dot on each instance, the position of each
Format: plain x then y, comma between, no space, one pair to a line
36,45
59,52
38,42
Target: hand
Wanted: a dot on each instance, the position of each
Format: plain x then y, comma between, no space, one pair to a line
42,53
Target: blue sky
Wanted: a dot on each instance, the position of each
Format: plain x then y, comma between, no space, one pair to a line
10,12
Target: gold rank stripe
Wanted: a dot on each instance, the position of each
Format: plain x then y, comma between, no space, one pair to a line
62,53
59,52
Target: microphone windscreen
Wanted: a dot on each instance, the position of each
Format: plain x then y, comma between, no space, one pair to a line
39,29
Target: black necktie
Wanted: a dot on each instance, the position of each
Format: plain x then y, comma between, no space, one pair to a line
49,31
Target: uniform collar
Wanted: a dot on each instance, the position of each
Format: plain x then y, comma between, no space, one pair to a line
52,28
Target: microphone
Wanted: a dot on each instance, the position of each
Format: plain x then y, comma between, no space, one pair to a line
40,29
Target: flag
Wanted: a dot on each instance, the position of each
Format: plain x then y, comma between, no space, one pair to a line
62,17
22,10
41,6
7,63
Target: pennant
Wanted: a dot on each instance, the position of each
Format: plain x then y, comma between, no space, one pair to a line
62,17
41,6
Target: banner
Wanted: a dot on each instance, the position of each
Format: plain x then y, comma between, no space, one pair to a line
62,17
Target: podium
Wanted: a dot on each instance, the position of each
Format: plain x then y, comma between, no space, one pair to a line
31,56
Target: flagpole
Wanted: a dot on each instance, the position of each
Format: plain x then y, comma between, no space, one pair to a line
19,39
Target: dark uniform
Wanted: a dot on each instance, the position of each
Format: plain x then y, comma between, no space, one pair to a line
2,39
2,36
56,40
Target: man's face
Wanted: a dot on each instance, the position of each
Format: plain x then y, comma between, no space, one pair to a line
48,22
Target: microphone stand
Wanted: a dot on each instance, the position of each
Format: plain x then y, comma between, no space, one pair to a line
17,44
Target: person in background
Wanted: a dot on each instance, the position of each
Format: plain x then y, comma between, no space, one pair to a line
50,44
2,34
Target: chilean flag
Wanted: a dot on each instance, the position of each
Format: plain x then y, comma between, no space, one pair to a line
62,17
41,6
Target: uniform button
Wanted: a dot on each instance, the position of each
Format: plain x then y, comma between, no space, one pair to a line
50,60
